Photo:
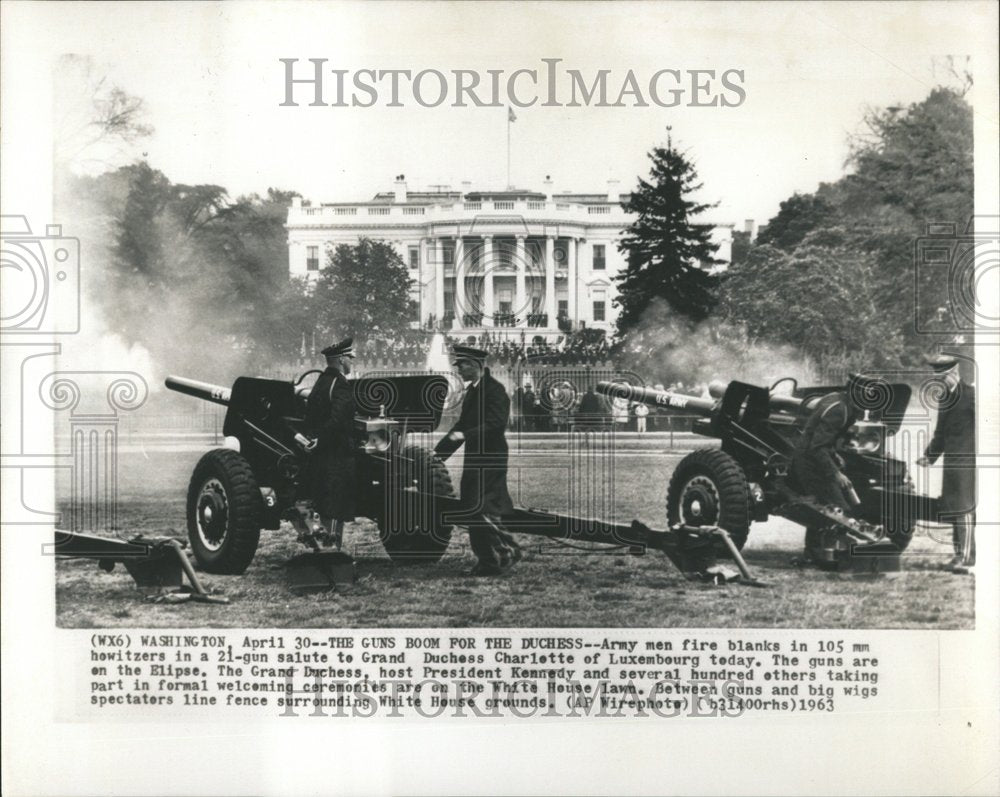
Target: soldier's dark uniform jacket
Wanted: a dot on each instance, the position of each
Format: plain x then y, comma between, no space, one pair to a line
815,463
332,471
955,437
485,411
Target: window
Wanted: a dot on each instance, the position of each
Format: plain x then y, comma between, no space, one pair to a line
599,262
448,253
505,307
414,257
563,308
312,258
599,311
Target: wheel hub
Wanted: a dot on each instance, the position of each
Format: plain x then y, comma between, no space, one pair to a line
212,514
699,502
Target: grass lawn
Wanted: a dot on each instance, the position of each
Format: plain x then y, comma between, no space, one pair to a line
553,586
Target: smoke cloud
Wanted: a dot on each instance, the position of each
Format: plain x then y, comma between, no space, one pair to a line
666,348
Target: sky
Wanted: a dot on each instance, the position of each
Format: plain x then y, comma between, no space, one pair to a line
212,82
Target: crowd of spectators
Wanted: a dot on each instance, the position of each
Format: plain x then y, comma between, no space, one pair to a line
404,350
410,350
568,350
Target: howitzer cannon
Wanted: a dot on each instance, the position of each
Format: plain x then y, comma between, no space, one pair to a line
257,480
749,476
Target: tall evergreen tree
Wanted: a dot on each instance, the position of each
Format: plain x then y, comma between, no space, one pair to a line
667,252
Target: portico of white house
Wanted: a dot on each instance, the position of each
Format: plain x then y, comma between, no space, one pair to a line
511,263
528,280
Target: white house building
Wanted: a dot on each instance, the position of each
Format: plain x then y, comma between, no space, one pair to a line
508,262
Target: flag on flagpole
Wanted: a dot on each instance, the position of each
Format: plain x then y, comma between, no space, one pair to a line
510,115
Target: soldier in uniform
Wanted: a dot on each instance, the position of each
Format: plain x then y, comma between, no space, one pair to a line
484,496
330,420
955,438
816,465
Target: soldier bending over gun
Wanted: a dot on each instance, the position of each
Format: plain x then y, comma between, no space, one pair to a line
816,466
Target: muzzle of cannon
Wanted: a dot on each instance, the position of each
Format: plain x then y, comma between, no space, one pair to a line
202,390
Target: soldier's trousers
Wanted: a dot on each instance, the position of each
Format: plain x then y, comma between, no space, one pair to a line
963,537
491,543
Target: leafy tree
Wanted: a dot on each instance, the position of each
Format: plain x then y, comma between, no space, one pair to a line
797,217
918,160
823,299
913,167
740,246
910,167
364,290
667,252
198,279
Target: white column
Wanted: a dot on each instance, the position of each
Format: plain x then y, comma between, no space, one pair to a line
572,270
550,280
460,308
438,278
520,308
488,264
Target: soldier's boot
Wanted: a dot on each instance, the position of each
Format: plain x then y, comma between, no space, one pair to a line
495,549
964,540
507,549
813,541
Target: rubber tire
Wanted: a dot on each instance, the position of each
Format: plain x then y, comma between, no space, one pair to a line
244,510
730,483
430,540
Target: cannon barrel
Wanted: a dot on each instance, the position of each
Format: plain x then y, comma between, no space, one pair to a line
658,398
203,390
776,402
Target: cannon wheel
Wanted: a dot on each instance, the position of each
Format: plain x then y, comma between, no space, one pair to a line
709,488
223,512
409,531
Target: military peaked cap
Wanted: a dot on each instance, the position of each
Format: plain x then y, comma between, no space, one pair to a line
941,362
344,348
468,353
